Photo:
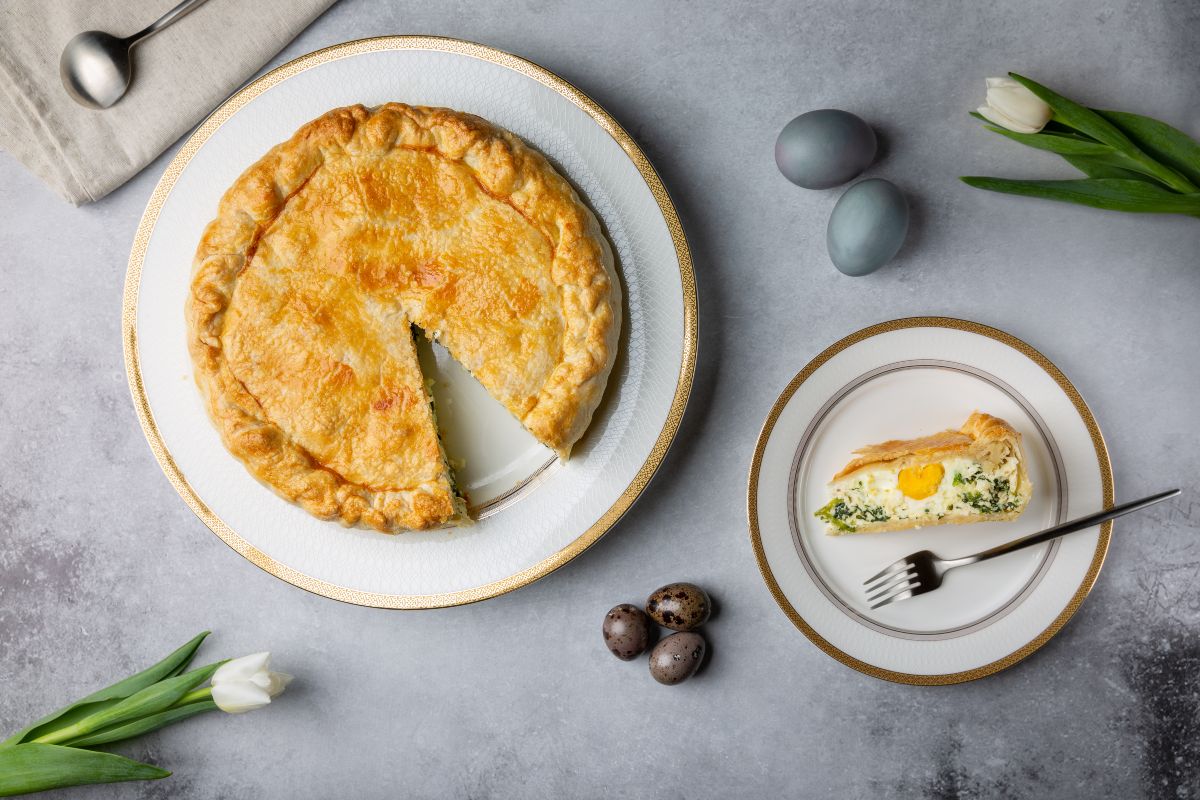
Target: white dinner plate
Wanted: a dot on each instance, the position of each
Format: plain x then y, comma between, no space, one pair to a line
533,513
899,380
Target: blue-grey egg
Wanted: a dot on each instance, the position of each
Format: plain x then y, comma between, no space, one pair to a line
824,148
867,226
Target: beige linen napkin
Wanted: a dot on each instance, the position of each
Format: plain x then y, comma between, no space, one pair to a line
179,76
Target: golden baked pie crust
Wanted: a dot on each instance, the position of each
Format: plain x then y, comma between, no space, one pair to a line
326,249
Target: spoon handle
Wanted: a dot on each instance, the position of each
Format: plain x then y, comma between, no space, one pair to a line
166,19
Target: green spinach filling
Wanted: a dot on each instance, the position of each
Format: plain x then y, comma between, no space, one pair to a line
841,515
986,495
990,495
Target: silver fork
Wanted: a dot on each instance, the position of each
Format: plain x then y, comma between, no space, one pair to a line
923,571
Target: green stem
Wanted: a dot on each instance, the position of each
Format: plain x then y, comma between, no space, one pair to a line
195,696
64,734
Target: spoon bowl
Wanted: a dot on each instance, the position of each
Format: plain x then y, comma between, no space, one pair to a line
95,68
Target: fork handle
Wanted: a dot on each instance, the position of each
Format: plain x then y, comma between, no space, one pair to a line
1067,527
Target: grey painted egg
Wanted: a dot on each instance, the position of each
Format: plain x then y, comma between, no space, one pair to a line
824,148
677,657
867,227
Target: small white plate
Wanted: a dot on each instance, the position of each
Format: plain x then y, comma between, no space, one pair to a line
534,513
910,378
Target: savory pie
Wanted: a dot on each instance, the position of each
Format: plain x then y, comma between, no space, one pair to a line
326,253
974,474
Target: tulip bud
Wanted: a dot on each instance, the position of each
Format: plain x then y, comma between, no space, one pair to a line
1010,105
244,684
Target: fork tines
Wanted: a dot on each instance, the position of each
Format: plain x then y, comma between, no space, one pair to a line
894,582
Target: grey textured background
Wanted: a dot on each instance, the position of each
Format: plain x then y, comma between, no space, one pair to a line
103,568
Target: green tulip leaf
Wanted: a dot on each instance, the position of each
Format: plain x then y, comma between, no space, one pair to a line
1075,135
151,700
1109,193
170,666
1100,167
1054,143
1169,145
1052,129
31,767
144,725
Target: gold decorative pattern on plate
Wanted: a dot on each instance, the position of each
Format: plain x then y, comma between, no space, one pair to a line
444,45
1089,578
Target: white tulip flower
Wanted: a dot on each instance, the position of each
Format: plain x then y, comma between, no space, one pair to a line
1010,105
244,684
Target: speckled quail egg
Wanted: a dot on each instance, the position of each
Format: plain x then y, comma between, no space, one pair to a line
626,631
677,657
679,606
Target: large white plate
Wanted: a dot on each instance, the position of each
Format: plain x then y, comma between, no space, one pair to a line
535,514
909,378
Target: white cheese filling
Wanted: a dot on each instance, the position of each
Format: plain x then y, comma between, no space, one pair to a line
966,488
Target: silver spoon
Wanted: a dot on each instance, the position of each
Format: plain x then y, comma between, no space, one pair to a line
95,66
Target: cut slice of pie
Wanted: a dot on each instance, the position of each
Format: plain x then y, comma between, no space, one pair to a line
327,251
974,474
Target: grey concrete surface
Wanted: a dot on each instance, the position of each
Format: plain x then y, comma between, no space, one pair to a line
103,568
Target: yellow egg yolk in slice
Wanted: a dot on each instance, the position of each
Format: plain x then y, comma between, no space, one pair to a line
920,482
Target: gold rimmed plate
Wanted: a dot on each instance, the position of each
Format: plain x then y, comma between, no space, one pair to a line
907,378
534,513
